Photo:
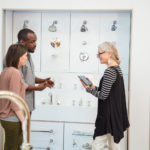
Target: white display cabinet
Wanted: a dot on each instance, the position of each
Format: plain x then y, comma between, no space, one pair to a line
126,80
84,41
115,27
66,47
78,136
55,42
46,135
31,20
68,91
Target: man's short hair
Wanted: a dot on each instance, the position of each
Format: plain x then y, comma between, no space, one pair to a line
22,35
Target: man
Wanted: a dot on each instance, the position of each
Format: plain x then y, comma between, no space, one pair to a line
28,38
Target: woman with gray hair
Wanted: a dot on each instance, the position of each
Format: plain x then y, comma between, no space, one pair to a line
112,118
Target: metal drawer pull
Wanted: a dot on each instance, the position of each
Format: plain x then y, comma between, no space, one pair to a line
82,133
47,148
51,131
51,141
75,143
48,131
87,146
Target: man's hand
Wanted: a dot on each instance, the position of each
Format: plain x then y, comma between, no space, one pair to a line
47,79
41,86
49,82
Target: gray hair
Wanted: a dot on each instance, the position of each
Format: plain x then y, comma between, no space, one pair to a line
109,46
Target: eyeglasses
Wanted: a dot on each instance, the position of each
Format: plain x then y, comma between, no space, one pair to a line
99,54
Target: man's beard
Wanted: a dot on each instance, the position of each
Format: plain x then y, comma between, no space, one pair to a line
30,51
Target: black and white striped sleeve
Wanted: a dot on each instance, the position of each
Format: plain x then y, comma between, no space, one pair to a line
109,78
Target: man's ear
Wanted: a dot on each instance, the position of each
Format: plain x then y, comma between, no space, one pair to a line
22,42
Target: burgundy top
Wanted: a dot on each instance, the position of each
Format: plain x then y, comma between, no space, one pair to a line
11,80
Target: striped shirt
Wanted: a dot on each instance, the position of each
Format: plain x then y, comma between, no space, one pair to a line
109,78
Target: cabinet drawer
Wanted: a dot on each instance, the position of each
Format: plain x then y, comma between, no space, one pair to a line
47,135
78,136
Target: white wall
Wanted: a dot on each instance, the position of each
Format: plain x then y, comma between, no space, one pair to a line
140,53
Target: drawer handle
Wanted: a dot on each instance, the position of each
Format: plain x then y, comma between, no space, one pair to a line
51,131
51,141
75,143
48,131
48,148
87,146
82,133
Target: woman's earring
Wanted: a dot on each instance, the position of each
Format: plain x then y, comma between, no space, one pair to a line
109,61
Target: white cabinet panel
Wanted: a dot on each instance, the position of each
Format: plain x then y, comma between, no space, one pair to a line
8,30
33,22
62,62
78,136
121,36
124,41
126,88
46,135
68,90
55,59
84,42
